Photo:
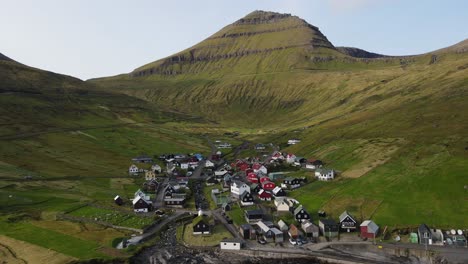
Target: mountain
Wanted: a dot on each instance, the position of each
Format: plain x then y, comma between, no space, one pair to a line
359,53
4,58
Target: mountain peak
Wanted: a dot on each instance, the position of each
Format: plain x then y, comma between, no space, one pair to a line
260,16
4,58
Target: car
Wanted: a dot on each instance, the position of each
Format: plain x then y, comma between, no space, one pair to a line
261,241
293,242
304,241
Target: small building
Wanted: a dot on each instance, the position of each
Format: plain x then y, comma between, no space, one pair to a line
141,205
209,164
156,168
292,182
231,244
247,231
278,235
118,200
260,169
268,185
329,228
201,225
325,174
278,192
255,188
300,214
369,229
226,207
264,179
253,216
294,232
142,194
264,196
310,229
425,235
293,141
252,177
347,222
150,175
246,199
260,146
274,176
266,231
283,226
290,158
282,205
175,201
133,169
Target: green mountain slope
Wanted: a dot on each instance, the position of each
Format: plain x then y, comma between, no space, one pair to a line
395,126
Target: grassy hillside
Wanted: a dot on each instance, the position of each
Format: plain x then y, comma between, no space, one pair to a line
76,143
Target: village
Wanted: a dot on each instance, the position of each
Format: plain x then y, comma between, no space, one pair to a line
245,203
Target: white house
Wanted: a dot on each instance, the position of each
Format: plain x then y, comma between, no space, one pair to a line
263,170
209,164
150,175
238,188
184,165
231,244
133,169
281,205
310,166
221,172
325,174
290,158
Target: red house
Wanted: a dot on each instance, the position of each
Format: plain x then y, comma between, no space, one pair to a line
264,179
264,196
369,229
268,185
252,177
248,171
256,166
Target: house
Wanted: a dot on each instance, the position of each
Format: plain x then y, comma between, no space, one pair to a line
264,179
259,146
215,157
226,207
150,175
221,172
133,169
292,182
277,156
283,226
264,196
201,225
209,164
369,229
238,188
290,158
293,141
176,201
282,205
253,216
252,177
300,160
143,159
224,145
118,200
325,174
266,231
231,244
425,235
255,188
347,222
278,235
294,232
268,185
247,232
300,214
156,168
274,176
329,228
150,186
142,194
310,230
278,192
140,205
313,164
258,168
246,199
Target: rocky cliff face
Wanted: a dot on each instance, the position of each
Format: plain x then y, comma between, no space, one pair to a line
359,53
257,34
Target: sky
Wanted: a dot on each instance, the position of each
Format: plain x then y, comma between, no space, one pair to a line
96,38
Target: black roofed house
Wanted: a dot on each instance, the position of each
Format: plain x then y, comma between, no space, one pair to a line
292,182
143,159
300,214
247,231
141,205
425,235
253,216
347,222
278,192
246,199
329,228
177,200
201,225
118,200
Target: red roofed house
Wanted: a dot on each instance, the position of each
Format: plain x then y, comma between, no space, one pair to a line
268,185
264,196
252,177
264,179
369,229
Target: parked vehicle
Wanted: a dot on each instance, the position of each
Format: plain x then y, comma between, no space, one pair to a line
293,242
261,241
